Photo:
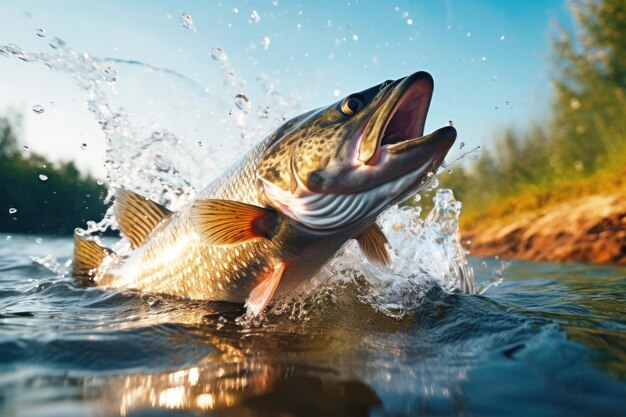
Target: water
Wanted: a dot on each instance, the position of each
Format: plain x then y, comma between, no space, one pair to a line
434,334
549,340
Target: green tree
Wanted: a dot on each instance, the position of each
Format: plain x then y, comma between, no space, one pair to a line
38,197
585,134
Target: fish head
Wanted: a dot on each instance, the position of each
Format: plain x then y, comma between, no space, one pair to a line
343,164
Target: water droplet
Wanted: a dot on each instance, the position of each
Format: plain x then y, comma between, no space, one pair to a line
79,232
9,237
219,55
468,34
235,10
265,41
417,198
450,123
83,146
168,16
336,93
43,177
409,21
243,102
265,113
58,43
38,109
187,22
461,145
12,210
39,241
502,37
484,58
110,74
355,37
483,264
25,148
254,17
100,182
40,32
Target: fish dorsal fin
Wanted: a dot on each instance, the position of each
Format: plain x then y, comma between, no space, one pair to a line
226,222
137,216
88,256
261,295
372,242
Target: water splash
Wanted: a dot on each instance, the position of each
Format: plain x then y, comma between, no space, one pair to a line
426,253
168,166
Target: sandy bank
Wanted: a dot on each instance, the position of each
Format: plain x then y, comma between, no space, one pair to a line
588,229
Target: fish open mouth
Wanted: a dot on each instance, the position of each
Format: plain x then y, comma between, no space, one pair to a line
407,117
397,125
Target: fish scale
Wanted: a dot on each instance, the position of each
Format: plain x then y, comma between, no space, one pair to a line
191,268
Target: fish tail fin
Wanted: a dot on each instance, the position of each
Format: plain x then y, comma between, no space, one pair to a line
88,256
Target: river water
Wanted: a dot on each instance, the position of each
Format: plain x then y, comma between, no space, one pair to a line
548,341
435,334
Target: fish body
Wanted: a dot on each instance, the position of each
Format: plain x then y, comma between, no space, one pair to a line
272,220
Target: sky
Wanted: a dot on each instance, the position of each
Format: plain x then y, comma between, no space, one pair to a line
490,60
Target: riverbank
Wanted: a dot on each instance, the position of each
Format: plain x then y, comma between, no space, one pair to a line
587,229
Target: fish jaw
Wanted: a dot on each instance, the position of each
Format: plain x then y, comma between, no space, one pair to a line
390,143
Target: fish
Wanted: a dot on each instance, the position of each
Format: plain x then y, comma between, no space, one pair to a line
272,220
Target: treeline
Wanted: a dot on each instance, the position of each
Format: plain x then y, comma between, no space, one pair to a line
37,196
581,147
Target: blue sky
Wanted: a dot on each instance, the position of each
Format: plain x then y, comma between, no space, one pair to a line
489,59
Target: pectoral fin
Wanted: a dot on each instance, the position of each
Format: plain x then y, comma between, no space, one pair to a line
88,256
263,293
372,242
225,222
137,216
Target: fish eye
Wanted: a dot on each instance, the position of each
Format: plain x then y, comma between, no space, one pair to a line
351,105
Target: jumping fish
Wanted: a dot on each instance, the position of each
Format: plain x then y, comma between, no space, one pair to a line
271,221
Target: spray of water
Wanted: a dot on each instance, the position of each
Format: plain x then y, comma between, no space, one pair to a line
169,167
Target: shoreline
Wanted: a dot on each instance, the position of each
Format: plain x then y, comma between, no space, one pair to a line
590,229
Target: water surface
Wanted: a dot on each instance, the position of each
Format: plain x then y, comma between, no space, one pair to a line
549,340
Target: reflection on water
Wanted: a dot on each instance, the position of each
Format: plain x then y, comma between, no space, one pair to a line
547,341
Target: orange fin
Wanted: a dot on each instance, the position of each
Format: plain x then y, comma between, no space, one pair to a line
137,216
263,293
88,256
372,242
225,222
